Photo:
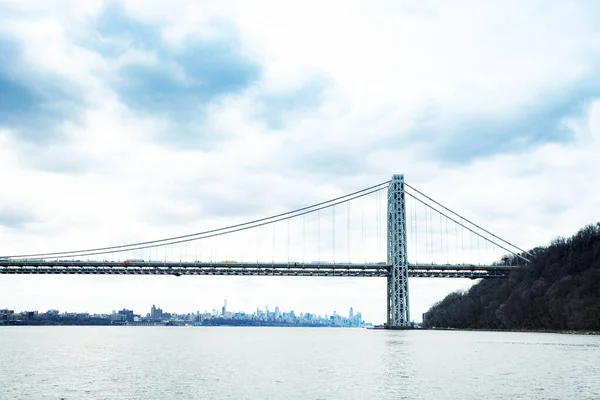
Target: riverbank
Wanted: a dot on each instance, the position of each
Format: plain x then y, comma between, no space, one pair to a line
566,332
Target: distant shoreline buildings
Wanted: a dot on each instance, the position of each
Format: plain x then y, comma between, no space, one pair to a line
157,317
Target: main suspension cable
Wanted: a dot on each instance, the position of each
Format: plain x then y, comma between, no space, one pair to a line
466,227
125,247
470,222
220,232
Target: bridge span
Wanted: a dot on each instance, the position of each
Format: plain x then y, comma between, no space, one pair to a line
426,234
75,267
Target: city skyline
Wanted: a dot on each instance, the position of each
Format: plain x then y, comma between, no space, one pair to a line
156,315
213,311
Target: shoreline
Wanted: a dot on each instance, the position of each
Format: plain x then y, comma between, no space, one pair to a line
192,325
565,332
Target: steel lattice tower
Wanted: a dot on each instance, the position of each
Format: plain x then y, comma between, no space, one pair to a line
397,283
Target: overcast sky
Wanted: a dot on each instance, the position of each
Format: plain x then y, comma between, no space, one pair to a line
137,120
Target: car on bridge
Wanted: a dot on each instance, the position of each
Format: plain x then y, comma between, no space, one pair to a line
133,260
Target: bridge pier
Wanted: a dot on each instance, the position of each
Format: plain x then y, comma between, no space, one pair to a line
398,316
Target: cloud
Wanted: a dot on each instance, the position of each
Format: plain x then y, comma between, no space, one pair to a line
31,101
15,218
335,161
277,107
466,140
153,76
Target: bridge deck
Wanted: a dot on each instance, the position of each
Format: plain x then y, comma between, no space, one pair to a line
247,269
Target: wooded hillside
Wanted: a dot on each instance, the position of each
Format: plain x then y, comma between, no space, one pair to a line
558,290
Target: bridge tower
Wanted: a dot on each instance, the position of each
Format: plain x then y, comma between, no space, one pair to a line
397,282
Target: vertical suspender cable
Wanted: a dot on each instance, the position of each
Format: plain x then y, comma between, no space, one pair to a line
447,242
303,238
240,243
486,247
462,235
416,231
348,234
426,231
333,237
362,209
430,229
441,239
471,247
378,216
319,235
478,241
456,243
412,227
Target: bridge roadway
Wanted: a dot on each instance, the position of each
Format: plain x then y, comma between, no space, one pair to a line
28,266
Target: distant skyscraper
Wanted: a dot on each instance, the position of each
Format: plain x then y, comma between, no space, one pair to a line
156,313
128,314
351,315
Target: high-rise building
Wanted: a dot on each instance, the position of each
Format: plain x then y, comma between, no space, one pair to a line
351,315
128,314
156,313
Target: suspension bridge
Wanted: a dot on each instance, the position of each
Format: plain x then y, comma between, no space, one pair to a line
440,243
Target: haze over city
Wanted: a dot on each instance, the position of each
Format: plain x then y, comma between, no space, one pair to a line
115,129
159,317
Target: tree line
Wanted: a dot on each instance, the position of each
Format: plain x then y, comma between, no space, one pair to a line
558,290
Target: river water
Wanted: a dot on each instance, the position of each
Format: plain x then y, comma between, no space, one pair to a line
293,363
